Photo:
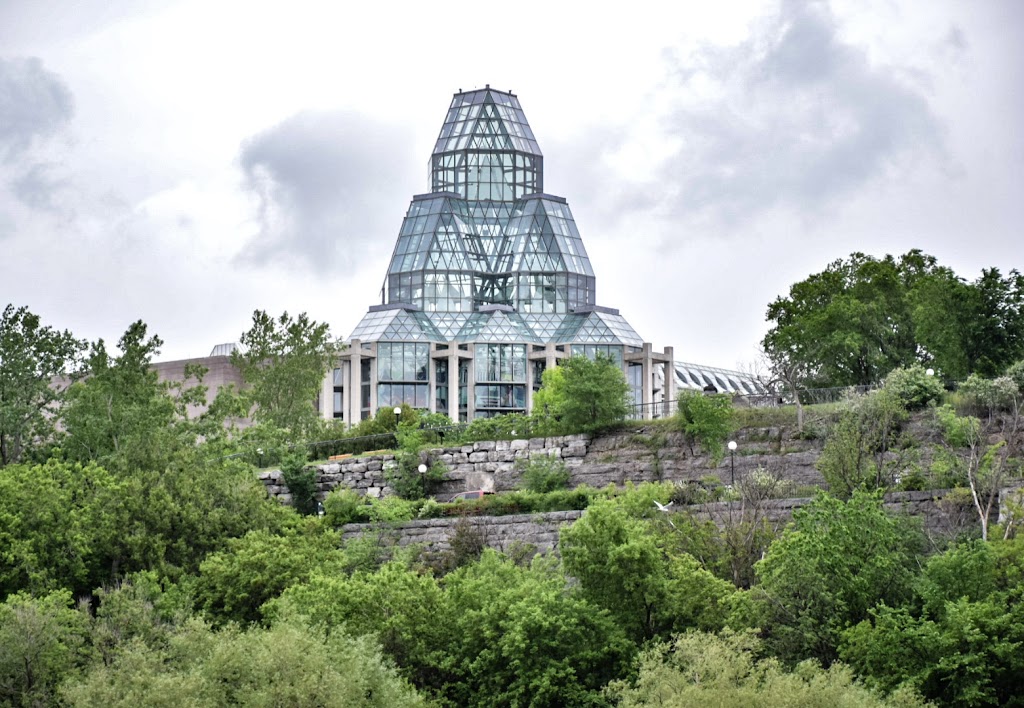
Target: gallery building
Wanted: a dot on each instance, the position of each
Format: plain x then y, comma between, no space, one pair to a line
489,285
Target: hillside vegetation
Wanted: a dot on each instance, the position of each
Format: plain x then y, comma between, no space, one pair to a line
141,562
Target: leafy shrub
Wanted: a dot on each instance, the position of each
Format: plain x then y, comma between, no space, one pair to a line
762,484
542,473
394,509
1016,374
467,543
959,431
345,506
689,492
301,481
429,509
404,477
707,421
854,455
981,395
500,427
913,386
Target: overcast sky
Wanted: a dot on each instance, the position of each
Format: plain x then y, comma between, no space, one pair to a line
185,162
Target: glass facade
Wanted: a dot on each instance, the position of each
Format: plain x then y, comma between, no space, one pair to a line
489,281
402,372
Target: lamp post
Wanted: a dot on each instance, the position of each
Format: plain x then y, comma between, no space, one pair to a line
422,468
732,461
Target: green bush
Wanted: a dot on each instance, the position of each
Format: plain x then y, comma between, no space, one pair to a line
542,473
404,477
301,481
346,506
989,396
913,386
707,421
854,455
1016,374
500,427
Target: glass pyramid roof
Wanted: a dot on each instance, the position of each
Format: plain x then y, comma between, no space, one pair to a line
487,234
597,328
486,119
497,326
397,325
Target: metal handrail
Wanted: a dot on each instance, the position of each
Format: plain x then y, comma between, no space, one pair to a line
774,399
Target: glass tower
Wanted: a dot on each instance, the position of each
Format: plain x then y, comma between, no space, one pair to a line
489,282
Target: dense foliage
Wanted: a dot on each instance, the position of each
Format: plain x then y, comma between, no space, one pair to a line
862,317
583,394
32,357
141,562
283,362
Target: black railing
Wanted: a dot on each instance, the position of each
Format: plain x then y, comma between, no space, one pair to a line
261,457
808,396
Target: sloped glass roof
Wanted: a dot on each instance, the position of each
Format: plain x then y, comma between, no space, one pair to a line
545,326
396,325
486,119
596,328
545,239
372,326
497,327
697,377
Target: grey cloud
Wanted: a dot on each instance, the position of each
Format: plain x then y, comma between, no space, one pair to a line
331,188
799,118
34,103
37,187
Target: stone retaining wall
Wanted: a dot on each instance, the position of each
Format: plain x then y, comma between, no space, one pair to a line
638,456
941,520
501,532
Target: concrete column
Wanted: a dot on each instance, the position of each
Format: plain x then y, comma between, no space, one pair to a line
550,361
353,391
453,383
670,380
327,393
647,363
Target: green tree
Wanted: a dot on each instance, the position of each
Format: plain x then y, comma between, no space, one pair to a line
699,669
121,415
67,525
283,364
983,465
586,394
287,665
522,638
862,317
42,643
234,583
835,563
59,523
32,360
623,566
856,452
707,421
959,642
848,325
405,611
